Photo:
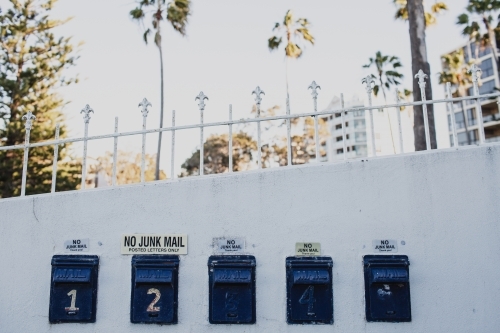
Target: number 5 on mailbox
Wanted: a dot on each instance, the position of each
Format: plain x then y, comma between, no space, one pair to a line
154,289
309,290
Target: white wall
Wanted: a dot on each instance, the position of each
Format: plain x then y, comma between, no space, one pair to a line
444,205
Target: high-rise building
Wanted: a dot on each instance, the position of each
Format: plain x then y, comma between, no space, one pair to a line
355,127
465,111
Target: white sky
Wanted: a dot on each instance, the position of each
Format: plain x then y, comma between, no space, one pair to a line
225,54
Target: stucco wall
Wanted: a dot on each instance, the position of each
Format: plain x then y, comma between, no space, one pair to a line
444,205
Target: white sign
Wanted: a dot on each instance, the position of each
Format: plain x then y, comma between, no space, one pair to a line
385,245
224,245
153,244
77,245
307,249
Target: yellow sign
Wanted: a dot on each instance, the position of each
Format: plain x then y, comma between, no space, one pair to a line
307,249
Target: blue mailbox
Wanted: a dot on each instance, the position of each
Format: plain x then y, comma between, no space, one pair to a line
387,288
231,289
73,289
154,289
309,290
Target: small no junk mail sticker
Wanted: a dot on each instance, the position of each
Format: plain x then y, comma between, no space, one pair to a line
229,245
153,244
77,245
307,249
385,245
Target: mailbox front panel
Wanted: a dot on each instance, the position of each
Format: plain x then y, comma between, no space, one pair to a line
232,289
73,289
387,288
154,289
309,290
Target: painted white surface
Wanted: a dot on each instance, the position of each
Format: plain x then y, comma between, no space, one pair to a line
443,205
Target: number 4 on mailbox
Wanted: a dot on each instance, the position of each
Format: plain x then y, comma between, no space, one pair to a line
309,290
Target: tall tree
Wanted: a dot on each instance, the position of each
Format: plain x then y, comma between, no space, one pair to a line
456,72
430,15
216,155
177,13
128,168
296,33
33,64
417,25
479,24
387,74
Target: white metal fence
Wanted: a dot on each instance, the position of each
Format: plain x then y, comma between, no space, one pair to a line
201,98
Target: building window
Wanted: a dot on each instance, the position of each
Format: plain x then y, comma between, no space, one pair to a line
340,151
338,115
339,126
360,137
339,138
359,123
471,116
487,68
459,118
359,113
487,87
463,140
482,51
457,106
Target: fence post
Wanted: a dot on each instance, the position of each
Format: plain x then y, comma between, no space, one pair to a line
54,163
258,100
421,83
230,139
172,154
144,104
342,118
398,112
29,123
201,105
115,152
452,114
368,81
314,92
288,133
476,75
86,118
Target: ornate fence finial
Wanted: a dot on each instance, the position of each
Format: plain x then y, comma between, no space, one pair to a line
201,97
398,98
257,93
476,72
29,120
86,111
314,89
145,103
421,76
368,81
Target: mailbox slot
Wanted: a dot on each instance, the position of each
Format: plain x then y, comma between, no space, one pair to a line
387,288
154,289
73,289
231,289
309,290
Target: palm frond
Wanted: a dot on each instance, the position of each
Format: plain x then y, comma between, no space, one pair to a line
274,42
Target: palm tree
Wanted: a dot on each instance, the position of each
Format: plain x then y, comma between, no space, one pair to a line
430,16
387,75
177,12
481,11
456,71
296,32
414,12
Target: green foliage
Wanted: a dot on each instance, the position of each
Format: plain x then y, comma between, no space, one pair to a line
177,13
456,71
387,77
430,16
128,168
296,32
216,155
33,63
481,23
